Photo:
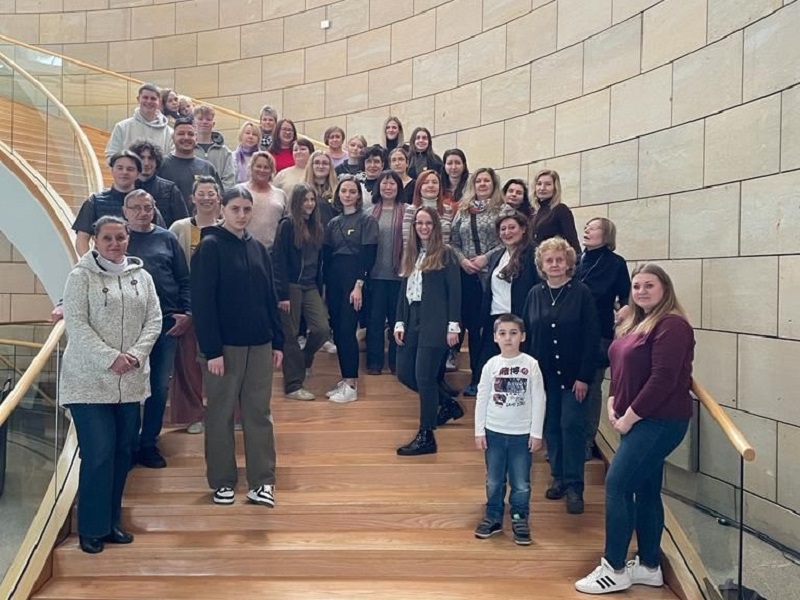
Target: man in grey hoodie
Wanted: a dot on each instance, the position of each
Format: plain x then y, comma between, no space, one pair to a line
147,123
211,145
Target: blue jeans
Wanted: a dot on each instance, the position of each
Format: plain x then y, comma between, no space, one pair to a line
565,437
507,457
162,361
633,490
106,434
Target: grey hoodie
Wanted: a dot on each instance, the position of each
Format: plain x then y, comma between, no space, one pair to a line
219,155
107,314
136,128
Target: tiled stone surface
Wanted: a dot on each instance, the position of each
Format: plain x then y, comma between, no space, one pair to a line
719,208
612,55
557,77
482,145
457,20
347,19
436,72
109,25
347,94
326,61
283,70
671,160
458,109
578,19
741,294
789,466
641,104
624,9
610,174
529,138
499,12
369,50
671,29
764,388
771,53
771,213
582,123
385,12
482,56
715,364
414,36
522,47
695,93
790,129
390,84
506,95
788,294
725,16
645,224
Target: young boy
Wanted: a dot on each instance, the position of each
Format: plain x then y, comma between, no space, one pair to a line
509,418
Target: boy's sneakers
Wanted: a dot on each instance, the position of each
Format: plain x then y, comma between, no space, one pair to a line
520,529
301,394
263,494
346,393
223,495
641,575
487,529
604,580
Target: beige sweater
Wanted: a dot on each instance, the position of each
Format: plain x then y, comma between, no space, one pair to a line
107,314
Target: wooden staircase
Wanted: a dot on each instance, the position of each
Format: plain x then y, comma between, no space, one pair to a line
352,521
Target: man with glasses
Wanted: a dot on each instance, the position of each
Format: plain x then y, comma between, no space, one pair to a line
166,263
125,170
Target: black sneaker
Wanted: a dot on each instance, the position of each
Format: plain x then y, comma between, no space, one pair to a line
520,529
151,458
574,502
487,529
556,491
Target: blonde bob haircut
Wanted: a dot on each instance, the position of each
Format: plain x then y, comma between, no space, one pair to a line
554,244
609,231
639,321
556,200
265,155
244,127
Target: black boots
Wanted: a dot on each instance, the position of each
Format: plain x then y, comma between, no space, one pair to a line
449,408
423,443
91,545
118,536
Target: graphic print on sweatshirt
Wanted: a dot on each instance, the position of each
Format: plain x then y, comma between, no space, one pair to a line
510,387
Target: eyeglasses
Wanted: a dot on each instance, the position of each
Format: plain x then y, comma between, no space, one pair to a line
141,209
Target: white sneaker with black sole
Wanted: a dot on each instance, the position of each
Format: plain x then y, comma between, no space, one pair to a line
346,393
604,580
224,495
329,347
263,494
641,575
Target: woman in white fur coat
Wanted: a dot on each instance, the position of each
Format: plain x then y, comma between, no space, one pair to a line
113,319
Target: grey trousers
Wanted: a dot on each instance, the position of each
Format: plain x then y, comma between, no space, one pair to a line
247,382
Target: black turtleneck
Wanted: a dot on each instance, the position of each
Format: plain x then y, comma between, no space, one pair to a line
548,223
606,275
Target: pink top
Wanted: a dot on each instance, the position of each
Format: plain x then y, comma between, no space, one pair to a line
653,372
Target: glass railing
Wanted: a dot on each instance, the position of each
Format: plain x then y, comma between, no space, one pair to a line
33,436
99,98
39,129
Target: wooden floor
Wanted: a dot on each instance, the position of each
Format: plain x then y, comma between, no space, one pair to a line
353,520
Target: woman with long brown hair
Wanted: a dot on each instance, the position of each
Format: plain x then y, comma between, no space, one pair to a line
650,406
297,256
428,192
427,320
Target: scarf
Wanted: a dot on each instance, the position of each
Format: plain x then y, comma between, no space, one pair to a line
476,206
242,159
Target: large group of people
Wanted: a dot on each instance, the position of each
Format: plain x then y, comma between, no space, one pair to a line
213,266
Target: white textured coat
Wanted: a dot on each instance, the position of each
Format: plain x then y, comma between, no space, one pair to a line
107,314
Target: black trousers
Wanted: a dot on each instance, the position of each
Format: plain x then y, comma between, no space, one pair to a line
344,318
471,298
418,369
382,307
488,347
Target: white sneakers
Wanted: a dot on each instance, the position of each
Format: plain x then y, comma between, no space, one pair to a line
263,494
335,388
604,580
641,575
224,495
329,347
301,394
344,393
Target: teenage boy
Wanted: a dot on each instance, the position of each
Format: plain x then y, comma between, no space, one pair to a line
147,123
509,418
211,145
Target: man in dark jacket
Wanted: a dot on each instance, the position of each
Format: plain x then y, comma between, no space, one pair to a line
168,197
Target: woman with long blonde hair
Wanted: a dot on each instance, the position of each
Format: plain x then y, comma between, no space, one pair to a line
321,178
552,218
650,406
427,320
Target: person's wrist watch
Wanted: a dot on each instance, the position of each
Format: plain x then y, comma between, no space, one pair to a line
359,283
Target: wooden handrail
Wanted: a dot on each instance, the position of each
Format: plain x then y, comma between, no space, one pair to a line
96,69
91,166
733,433
32,372
22,343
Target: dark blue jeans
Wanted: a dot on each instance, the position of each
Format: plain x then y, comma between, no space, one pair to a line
382,307
162,361
633,490
507,458
565,437
106,435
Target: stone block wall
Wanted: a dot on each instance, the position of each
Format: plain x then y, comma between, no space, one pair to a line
678,119
22,296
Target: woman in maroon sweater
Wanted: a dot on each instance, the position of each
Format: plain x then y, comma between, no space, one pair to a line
650,406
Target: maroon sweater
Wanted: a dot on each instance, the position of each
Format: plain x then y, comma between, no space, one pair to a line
653,372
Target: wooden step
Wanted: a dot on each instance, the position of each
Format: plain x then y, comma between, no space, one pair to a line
434,588
424,552
364,509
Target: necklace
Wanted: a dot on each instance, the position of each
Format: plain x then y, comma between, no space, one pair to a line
558,295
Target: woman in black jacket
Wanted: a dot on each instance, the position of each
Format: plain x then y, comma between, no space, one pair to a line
512,274
562,334
428,310
421,154
349,248
235,312
297,254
